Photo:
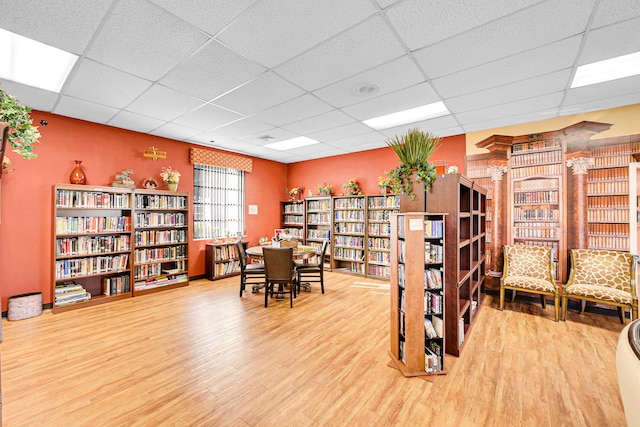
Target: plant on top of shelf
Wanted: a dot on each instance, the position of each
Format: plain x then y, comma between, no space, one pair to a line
170,176
22,134
413,149
352,187
294,193
325,189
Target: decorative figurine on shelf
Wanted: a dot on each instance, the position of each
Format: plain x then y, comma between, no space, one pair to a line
385,183
352,187
150,184
77,174
452,169
171,177
325,189
124,180
295,193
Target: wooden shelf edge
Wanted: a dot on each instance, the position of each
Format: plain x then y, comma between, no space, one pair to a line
95,300
159,288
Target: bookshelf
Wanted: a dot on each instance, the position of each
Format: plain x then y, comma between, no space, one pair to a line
221,260
379,210
349,227
293,218
161,241
318,225
464,205
417,309
92,245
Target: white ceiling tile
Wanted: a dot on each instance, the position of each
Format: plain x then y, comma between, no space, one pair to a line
275,30
313,149
242,128
500,122
210,16
609,42
211,72
543,60
294,110
277,134
389,77
163,103
609,12
371,138
537,26
601,104
143,39
84,110
136,122
614,88
353,129
401,100
544,104
548,83
386,3
104,85
368,45
207,117
266,91
434,126
65,24
421,23
329,120
34,98
175,131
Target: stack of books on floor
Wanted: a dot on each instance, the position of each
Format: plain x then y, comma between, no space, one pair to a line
70,293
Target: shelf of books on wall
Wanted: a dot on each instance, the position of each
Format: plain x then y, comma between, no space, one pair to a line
608,198
417,316
92,245
478,172
379,212
349,226
318,224
293,220
221,260
160,240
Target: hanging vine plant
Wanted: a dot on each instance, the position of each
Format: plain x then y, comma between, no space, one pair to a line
22,134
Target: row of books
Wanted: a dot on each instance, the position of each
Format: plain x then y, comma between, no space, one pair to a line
293,219
160,254
538,184
433,361
159,237
433,327
608,187
432,302
606,202
317,233
433,253
92,265
611,161
160,281
146,271
92,224
349,254
225,268
322,218
541,230
116,285
432,278
608,229
552,169
89,199
521,214
386,202
379,229
616,150
381,258
349,203
349,216
159,219
433,228
608,242
378,243
379,270
224,252
297,208
380,215
160,201
353,241
544,144
70,293
608,215
318,205
535,197
543,157
614,174
296,233
90,245
349,228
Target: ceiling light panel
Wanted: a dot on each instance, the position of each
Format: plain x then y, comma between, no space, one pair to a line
412,115
289,144
607,70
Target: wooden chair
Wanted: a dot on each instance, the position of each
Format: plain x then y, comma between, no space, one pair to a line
529,269
279,268
312,272
250,274
602,276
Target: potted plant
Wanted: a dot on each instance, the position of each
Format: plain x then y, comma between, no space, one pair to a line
352,187
22,134
413,149
294,193
171,177
385,183
325,189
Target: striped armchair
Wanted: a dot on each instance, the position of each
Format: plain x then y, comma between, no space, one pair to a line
602,276
529,269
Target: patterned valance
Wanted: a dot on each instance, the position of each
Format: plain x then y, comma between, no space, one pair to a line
224,160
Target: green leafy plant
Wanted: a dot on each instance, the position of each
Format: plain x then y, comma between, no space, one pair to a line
22,134
413,149
325,189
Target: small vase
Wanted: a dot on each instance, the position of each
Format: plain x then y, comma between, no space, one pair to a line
173,186
77,174
384,190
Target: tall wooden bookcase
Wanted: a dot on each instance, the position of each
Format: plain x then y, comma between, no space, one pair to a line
349,229
464,204
318,225
417,306
161,244
91,245
293,218
379,210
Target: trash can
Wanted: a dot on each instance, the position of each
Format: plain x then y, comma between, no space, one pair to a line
24,306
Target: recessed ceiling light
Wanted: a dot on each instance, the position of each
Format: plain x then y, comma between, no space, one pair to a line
267,138
412,115
32,63
609,69
289,144
366,89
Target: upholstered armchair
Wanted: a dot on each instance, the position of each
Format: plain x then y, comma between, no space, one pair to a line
529,269
602,276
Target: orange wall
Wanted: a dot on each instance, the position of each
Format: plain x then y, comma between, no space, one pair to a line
26,193
365,166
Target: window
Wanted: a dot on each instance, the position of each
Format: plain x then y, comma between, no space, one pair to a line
218,202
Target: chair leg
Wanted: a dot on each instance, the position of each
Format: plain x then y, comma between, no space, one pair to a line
322,279
543,301
501,298
242,284
556,304
583,305
565,301
513,295
621,314
266,294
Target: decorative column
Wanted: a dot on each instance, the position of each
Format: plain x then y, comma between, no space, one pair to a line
580,168
495,266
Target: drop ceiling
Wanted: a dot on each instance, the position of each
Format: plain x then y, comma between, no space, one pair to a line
239,74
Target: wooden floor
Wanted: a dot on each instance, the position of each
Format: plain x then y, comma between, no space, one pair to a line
202,356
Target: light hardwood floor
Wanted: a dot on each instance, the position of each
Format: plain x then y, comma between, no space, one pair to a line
203,356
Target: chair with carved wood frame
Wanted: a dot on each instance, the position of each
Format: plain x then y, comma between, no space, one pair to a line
530,269
602,276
